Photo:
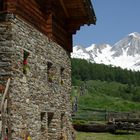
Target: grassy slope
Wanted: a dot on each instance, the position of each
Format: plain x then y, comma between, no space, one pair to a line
106,136
103,95
107,102
107,96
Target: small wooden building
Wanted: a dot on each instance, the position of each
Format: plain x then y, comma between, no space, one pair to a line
35,46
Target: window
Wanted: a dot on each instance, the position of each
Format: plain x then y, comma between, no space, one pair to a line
62,75
49,71
50,117
43,121
25,62
62,120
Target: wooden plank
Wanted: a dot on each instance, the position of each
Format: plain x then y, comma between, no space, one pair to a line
64,8
1,5
30,10
3,116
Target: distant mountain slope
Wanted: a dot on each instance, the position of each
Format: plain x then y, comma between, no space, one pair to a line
125,53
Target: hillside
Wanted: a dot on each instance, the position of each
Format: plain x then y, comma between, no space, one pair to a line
108,95
102,87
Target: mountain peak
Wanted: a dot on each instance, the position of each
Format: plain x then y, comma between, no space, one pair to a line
134,34
125,53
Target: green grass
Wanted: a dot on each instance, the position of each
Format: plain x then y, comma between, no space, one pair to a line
107,102
108,95
106,136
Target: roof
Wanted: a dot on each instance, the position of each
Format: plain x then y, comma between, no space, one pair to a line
79,11
91,13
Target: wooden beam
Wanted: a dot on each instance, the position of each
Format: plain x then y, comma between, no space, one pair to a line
9,5
1,5
64,8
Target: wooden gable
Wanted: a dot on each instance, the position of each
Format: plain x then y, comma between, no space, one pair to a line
58,19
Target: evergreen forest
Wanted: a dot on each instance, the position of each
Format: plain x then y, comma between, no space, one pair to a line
84,71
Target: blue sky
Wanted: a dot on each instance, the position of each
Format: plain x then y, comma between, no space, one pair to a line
115,19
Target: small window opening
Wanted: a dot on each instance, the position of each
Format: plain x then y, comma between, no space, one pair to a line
62,75
50,117
42,116
62,120
25,63
43,121
49,71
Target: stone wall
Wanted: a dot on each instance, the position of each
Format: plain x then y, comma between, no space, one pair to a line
40,98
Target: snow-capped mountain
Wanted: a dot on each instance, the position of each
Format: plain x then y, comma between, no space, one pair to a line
125,53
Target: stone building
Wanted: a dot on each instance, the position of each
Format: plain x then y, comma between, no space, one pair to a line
35,67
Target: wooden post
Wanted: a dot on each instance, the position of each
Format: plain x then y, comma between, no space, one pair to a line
105,115
3,116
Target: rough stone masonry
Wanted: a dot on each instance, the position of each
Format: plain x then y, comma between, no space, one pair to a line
40,72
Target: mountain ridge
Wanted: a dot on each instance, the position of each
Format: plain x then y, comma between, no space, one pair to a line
125,53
